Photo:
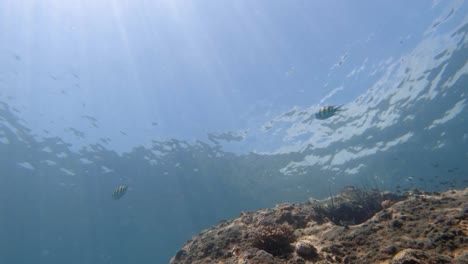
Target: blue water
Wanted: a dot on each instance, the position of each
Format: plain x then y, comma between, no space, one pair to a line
206,109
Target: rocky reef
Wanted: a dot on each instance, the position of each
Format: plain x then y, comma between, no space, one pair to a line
355,226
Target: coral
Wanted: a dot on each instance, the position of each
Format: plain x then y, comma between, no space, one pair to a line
274,239
385,203
352,206
414,228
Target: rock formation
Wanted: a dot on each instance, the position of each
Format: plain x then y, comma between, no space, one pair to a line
355,226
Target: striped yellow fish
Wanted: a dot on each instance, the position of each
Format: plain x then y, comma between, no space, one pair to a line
119,192
327,111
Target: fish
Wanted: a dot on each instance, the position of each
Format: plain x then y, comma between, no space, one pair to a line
119,192
327,111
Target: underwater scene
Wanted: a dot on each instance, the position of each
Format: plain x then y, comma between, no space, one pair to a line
244,132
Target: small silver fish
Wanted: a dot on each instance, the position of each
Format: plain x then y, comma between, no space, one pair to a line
327,111
119,192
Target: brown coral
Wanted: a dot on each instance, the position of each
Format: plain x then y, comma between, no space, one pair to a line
274,239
